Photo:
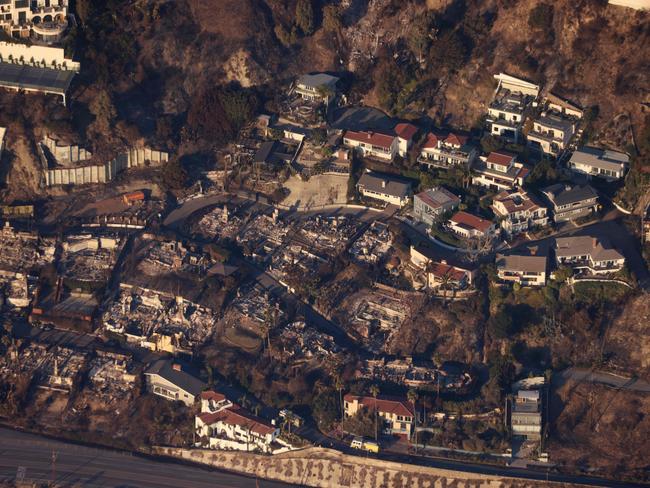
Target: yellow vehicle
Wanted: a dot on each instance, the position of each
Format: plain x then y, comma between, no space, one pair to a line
364,445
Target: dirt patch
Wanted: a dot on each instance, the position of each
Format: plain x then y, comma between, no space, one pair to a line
595,427
318,190
23,170
628,338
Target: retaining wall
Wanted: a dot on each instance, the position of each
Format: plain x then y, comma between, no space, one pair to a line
103,173
40,56
326,468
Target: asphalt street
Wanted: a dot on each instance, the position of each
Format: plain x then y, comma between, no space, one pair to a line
608,379
30,457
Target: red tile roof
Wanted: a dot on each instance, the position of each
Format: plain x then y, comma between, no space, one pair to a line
236,415
405,131
517,201
502,158
374,138
385,404
431,141
472,221
212,395
456,139
441,270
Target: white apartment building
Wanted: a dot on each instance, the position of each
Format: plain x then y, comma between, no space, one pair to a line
372,144
519,211
499,171
44,20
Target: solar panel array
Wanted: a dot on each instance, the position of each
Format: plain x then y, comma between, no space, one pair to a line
33,78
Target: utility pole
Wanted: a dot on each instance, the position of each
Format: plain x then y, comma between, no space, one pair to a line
53,474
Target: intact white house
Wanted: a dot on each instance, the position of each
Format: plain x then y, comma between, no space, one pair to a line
471,226
447,151
44,20
519,211
570,203
430,205
224,425
589,254
405,133
605,163
385,188
526,416
168,380
372,144
514,84
317,87
551,134
439,272
397,415
499,171
506,117
525,270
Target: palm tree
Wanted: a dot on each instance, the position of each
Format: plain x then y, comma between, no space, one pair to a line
412,396
339,385
446,281
374,391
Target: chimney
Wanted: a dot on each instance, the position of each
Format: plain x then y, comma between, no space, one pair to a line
594,242
383,183
443,261
177,367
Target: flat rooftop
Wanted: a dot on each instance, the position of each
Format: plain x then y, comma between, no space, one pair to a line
33,78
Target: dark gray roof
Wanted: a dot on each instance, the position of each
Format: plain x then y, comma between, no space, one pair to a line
318,79
182,379
600,158
33,78
560,194
516,262
555,122
383,183
264,152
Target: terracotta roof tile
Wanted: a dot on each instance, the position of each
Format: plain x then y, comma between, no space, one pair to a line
374,138
502,158
405,131
471,221
385,404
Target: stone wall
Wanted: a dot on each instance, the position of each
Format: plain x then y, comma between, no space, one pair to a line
325,468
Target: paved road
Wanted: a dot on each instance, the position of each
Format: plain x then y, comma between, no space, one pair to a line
92,467
179,214
608,379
